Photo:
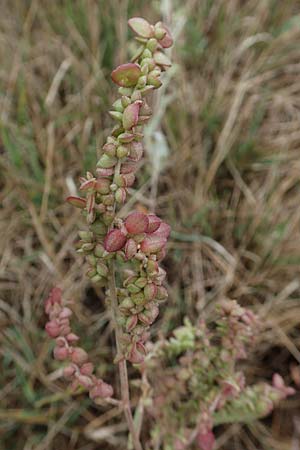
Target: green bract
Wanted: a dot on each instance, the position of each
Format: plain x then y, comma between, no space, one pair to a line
126,75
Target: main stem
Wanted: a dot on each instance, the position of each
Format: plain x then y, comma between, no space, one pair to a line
122,363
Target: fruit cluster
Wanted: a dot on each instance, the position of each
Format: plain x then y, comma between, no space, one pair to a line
79,370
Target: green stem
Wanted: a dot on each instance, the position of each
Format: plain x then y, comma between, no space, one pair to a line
122,361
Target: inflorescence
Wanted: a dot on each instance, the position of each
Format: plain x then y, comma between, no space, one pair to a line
136,243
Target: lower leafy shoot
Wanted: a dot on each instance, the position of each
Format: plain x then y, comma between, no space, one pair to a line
197,385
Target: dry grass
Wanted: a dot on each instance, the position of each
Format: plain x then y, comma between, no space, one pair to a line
229,187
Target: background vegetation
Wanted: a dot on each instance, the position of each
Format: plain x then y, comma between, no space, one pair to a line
226,150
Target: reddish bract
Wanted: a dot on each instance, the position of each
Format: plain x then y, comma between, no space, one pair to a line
136,223
114,241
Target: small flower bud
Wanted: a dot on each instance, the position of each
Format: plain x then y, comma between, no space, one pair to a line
141,27
134,355
87,368
145,319
136,223
65,313
125,101
114,241
126,304
142,81
138,298
85,381
110,149
65,330
119,180
136,151
72,337
122,151
61,353
159,31
118,105
166,41
150,291
76,201
101,172
87,184
153,244
161,254
152,267
154,223
90,204
143,120
126,75
161,275
163,230
156,72
108,200
128,167
146,90
127,91
278,383
86,236
98,228
141,282
102,269
149,63
131,115
162,293
116,115
162,60
96,278
152,44
69,371
131,322
87,247
153,312
99,250
128,179
154,81
108,217
147,53
102,390
130,249
91,260
125,138
56,296
53,328
106,162
91,272
133,289
120,195
102,185
145,69
79,356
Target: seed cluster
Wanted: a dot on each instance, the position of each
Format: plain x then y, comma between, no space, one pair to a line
140,239
136,243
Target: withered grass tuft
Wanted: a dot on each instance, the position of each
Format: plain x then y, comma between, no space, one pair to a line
229,186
